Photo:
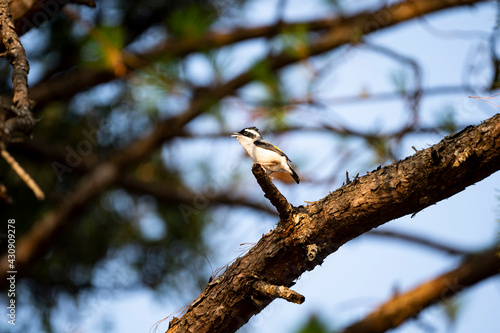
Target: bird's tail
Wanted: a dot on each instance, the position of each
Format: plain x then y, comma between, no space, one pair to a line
294,174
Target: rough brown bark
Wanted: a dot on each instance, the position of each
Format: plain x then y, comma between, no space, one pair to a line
405,306
282,255
17,57
272,193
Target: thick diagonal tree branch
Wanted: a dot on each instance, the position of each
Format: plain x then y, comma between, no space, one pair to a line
405,306
402,188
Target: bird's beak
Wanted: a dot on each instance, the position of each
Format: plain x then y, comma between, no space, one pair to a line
235,134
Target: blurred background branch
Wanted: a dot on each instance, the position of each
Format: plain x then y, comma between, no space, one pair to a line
404,306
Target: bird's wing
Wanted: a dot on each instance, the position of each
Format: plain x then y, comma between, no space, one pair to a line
269,146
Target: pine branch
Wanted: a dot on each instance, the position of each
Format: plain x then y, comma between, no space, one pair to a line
23,120
408,305
319,229
16,55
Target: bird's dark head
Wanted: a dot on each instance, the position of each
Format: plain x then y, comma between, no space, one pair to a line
249,132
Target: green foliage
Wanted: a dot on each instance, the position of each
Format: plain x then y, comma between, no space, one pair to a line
447,120
451,307
314,325
295,42
274,104
381,147
400,81
190,23
263,72
335,3
103,47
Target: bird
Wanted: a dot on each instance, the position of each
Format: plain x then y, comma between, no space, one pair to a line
264,153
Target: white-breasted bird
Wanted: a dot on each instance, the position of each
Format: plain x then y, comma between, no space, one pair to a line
264,153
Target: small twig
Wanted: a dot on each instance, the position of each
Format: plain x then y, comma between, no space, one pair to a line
272,193
273,291
23,175
486,99
421,241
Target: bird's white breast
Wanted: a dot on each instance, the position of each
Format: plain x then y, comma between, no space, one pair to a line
270,160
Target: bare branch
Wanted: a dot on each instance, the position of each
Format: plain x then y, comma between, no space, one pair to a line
420,241
17,57
23,120
273,291
23,175
167,194
272,193
408,305
68,84
416,92
393,95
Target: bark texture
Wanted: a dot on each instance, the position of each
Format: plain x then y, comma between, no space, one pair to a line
272,193
16,55
282,255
